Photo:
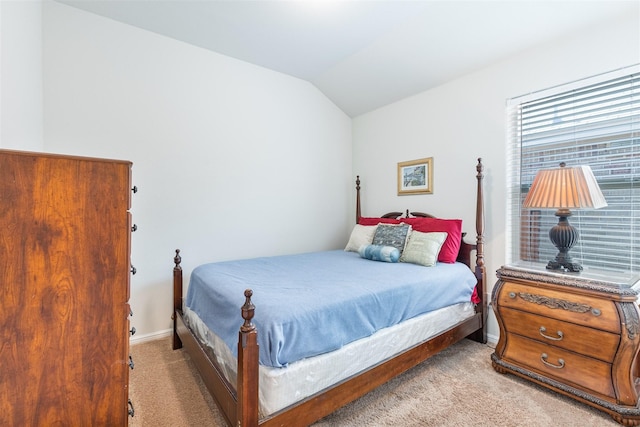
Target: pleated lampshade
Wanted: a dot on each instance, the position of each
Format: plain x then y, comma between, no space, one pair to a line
565,188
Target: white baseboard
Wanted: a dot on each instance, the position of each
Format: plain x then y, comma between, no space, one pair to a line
139,339
492,340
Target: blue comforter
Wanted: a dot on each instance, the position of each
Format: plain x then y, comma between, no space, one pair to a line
314,303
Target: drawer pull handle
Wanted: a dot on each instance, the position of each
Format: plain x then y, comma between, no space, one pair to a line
131,411
558,338
134,228
131,364
132,331
133,270
560,364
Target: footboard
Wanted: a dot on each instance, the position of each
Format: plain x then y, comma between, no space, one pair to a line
223,392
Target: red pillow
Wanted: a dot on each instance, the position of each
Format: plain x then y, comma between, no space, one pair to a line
376,221
453,228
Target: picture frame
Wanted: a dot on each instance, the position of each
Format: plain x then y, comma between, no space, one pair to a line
415,177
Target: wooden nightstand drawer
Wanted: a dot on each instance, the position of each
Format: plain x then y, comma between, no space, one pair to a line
580,309
579,339
553,362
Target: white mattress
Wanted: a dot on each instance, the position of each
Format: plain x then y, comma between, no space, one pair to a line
281,387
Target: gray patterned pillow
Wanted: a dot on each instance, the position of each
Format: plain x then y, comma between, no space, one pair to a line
391,235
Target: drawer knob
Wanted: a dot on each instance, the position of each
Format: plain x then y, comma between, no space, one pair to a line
544,358
596,311
512,295
134,228
132,331
132,411
558,338
131,365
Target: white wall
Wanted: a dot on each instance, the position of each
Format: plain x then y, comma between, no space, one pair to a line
231,160
465,119
21,75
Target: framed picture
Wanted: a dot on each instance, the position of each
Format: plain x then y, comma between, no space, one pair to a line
415,177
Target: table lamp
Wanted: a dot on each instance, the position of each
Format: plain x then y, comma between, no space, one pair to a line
564,188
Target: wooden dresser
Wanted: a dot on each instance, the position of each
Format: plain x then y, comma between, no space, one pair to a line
65,265
575,333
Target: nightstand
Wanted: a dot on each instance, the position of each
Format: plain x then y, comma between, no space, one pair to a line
575,333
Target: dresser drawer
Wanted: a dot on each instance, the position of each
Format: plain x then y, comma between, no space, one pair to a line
556,363
580,309
579,339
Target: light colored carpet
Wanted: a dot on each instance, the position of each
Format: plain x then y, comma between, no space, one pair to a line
457,387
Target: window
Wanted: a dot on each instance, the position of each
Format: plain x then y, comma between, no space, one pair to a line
593,122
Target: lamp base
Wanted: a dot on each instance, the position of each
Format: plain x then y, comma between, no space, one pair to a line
573,267
563,235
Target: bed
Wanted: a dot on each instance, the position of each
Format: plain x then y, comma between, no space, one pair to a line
265,368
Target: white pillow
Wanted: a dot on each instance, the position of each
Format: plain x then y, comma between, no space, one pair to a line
423,248
360,235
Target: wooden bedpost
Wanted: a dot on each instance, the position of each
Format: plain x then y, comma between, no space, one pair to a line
480,218
177,298
358,211
481,334
248,354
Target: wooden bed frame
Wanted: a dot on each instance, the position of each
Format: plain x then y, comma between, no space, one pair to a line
240,407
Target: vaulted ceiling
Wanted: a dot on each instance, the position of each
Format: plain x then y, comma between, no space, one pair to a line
368,53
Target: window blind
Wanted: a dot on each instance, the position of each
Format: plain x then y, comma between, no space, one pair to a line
593,122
